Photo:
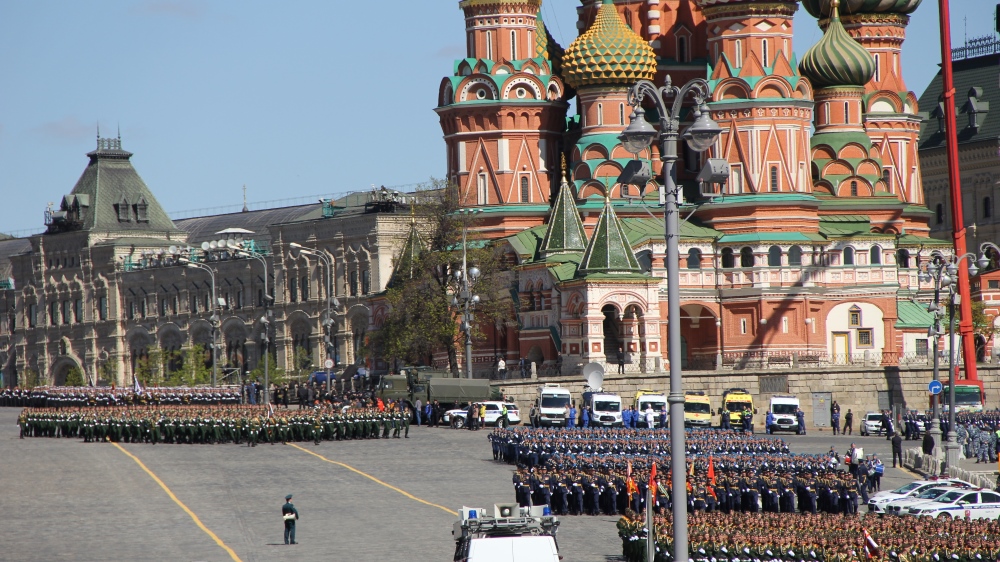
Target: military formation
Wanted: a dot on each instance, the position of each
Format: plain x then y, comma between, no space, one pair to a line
601,471
238,425
88,396
769,537
979,435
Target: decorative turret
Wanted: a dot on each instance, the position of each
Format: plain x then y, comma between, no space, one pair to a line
837,59
609,53
609,250
565,230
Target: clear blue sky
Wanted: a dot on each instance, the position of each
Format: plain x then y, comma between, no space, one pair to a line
290,98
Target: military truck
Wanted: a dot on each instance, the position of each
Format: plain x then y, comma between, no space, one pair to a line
429,385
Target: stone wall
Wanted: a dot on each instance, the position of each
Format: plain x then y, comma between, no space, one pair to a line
855,388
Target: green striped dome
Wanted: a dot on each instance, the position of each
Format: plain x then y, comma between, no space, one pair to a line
608,53
837,59
821,8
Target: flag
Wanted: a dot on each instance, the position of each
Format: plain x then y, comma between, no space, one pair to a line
711,470
630,484
691,470
270,410
652,476
136,386
870,546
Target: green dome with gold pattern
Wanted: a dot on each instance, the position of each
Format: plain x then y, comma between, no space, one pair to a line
609,53
837,59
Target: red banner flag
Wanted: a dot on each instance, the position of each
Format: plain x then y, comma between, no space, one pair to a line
652,476
870,546
711,470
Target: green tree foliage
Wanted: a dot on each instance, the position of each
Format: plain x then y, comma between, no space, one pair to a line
29,378
148,368
74,377
423,319
982,323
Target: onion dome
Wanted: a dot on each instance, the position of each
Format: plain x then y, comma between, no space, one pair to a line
546,46
837,59
608,53
821,8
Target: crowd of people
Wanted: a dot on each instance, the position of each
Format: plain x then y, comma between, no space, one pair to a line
345,419
770,537
601,471
89,396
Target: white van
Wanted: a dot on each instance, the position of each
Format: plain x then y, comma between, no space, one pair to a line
552,406
605,408
783,410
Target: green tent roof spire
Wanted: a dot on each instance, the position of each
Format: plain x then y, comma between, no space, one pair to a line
609,250
565,230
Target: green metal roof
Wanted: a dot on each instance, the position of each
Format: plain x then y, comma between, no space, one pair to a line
757,237
609,250
526,242
982,72
565,229
912,315
913,240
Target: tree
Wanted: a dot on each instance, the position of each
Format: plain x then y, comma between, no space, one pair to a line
74,377
982,323
30,378
148,368
423,319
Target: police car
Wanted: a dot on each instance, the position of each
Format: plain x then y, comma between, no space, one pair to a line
877,503
973,504
494,411
901,507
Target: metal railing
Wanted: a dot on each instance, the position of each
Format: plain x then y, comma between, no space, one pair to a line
977,47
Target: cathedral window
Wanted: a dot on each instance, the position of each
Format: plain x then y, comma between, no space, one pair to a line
525,190
739,53
728,260
848,256
489,45
854,188
887,179
736,182
481,189
774,178
600,114
847,112
513,45
293,290
621,114
694,258
939,213
854,317
682,49
903,259
774,256
875,257
767,55
746,257
795,255
878,68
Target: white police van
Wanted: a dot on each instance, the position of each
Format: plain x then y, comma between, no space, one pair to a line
961,504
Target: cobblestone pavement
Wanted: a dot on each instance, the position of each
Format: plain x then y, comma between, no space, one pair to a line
69,500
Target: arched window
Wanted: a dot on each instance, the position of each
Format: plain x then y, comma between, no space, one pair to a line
903,259
513,45
767,55
795,255
694,259
847,112
774,256
489,45
293,290
728,260
600,114
887,179
774,178
854,188
353,283
682,49
848,256
875,255
305,288
746,257
878,69
366,282
739,53
987,207
621,114
939,213
525,191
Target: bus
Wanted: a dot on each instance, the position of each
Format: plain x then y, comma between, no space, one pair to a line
969,397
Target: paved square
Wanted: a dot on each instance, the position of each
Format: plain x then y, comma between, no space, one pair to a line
68,500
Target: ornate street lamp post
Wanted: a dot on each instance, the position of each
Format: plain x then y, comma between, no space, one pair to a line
467,276
700,136
328,316
214,319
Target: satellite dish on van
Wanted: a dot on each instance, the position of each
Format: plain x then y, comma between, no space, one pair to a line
593,375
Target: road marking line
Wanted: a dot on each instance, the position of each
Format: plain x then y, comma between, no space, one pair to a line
187,510
372,478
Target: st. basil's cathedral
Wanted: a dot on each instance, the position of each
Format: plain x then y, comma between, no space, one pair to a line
808,253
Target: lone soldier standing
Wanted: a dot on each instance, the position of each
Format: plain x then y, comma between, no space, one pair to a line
290,515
